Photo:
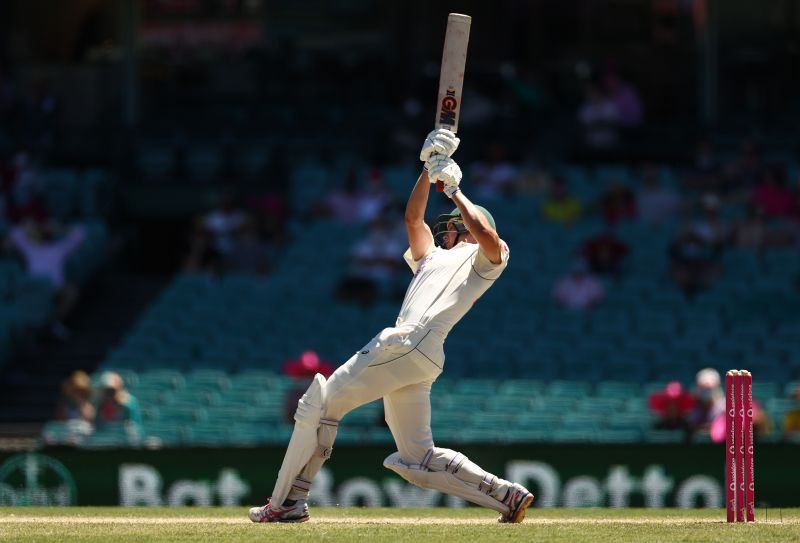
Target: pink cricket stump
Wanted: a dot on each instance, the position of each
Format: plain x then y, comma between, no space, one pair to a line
750,487
738,426
730,443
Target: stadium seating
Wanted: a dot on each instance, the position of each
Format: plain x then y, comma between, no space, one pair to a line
517,360
71,196
208,408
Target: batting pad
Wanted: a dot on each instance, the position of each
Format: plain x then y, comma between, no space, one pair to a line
449,483
326,435
303,443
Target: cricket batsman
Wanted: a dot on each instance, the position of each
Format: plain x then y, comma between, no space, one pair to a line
453,266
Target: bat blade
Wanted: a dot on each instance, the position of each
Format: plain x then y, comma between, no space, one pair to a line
451,76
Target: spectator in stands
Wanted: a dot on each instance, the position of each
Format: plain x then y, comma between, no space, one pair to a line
214,238
580,289
709,405
672,407
46,254
655,204
302,370
496,176
605,254
625,98
599,119
344,203
618,203
250,254
378,198
762,425
223,225
790,429
75,403
374,267
773,195
694,263
353,205
560,206
117,406
709,226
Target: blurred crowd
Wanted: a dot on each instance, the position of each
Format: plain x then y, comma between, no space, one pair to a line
701,410
31,231
250,227
743,202
704,205
40,241
106,406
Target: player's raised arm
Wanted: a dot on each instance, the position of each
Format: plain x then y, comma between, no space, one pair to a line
479,227
446,170
439,142
419,234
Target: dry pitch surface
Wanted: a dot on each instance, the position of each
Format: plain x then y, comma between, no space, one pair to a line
118,525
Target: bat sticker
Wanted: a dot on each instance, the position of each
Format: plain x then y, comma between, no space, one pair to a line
449,107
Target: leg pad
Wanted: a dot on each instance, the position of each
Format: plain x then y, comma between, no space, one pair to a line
303,443
444,480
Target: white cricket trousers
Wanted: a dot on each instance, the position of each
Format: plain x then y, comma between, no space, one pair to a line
398,365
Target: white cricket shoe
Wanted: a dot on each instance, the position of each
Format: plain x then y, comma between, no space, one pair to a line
267,513
518,500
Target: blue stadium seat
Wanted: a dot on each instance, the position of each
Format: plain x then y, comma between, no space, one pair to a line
617,389
665,436
569,389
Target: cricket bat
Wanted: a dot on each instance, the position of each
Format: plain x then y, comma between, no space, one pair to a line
451,77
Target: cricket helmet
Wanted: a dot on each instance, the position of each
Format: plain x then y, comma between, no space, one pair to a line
454,217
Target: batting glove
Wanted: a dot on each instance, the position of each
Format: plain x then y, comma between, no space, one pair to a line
444,169
439,142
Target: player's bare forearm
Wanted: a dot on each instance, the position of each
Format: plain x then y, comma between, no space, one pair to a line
419,235
418,201
479,227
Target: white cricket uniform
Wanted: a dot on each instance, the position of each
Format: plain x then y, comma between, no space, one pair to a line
401,363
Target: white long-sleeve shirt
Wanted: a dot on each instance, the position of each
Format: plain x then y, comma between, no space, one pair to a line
447,283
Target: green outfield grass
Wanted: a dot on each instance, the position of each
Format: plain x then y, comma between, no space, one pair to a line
118,525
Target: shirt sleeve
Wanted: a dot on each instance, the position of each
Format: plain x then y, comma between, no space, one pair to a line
485,268
414,264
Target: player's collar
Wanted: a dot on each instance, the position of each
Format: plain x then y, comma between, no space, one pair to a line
462,243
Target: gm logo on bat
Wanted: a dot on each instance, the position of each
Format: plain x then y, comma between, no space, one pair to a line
449,105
